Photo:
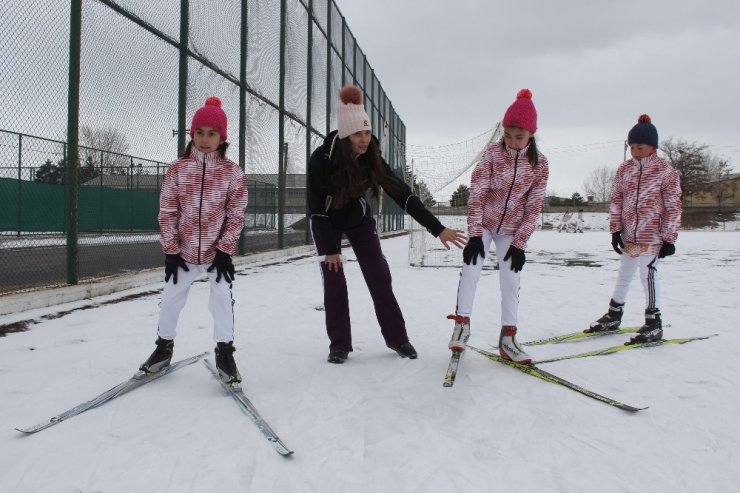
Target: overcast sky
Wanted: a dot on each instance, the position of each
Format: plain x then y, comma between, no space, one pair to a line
452,68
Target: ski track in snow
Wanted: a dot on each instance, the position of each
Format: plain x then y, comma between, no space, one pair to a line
380,423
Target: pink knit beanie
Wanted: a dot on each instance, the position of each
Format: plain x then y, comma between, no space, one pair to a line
522,112
210,115
351,116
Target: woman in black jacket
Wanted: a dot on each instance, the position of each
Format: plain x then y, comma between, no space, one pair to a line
342,174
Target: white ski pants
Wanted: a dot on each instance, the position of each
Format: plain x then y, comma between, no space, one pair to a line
220,304
648,265
507,278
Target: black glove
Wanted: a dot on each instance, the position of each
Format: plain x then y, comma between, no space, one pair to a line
666,249
224,267
517,258
617,242
173,261
473,249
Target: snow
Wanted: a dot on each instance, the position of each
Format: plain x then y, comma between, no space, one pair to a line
380,423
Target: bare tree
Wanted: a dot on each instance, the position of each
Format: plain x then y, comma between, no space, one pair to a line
599,183
691,161
103,146
720,186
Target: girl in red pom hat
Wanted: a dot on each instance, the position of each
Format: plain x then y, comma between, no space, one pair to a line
644,218
201,216
343,175
507,191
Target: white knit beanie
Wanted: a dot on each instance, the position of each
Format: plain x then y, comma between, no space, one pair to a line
351,116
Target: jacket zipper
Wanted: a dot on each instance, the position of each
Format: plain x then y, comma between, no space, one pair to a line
637,199
200,208
508,196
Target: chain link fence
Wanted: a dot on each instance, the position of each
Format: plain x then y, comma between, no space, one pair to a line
97,96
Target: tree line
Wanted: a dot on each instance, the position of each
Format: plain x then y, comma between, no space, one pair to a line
701,171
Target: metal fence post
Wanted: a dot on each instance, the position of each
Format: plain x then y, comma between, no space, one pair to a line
183,75
73,134
243,44
282,154
20,177
309,124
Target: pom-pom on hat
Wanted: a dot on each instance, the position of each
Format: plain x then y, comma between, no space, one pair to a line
644,132
210,115
351,115
522,112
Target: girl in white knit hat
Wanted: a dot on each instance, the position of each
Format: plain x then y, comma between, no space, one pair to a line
343,174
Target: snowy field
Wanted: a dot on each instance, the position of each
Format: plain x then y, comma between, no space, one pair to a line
380,423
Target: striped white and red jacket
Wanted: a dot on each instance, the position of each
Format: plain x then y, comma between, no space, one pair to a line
201,206
507,193
646,201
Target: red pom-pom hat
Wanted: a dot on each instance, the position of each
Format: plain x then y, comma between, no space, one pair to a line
522,112
210,115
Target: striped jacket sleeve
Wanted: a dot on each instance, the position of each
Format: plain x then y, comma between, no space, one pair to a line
479,186
169,212
236,203
533,205
671,191
615,209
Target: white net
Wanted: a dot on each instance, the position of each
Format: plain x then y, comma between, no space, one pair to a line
437,172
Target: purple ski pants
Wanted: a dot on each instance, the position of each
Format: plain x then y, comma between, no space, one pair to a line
366,245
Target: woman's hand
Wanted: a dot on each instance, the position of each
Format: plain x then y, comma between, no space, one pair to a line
333,262
454,236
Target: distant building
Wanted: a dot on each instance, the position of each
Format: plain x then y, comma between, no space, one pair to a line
724,192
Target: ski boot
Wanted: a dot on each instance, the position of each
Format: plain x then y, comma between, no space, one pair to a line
460,334
652,330
405,350
508,347
337,356
160,358
610,320
225,363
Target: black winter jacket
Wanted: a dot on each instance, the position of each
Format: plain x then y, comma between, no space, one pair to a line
327,220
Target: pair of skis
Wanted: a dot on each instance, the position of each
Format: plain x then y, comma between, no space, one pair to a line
141,378
535,371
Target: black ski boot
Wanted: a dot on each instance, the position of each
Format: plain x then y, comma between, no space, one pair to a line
405,350
652,330
610,320
225,363
160,358
337,356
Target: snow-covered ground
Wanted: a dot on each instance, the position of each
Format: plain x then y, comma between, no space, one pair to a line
380,423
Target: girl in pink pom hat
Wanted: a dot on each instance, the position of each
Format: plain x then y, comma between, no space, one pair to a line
201,216
507,191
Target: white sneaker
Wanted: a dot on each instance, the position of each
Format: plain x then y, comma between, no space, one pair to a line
508,347
460,334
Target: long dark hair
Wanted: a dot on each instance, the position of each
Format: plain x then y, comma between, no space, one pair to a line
532,155
354,176
221,149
